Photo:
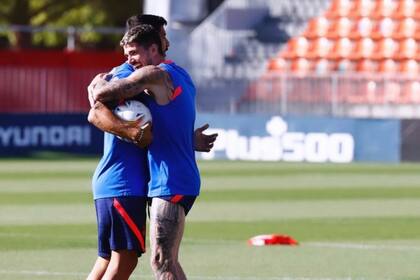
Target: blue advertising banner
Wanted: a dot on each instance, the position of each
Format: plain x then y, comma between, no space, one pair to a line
410,140
241,137
24,134
292,139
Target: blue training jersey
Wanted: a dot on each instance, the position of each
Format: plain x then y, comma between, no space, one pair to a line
123,169
122,71
172,164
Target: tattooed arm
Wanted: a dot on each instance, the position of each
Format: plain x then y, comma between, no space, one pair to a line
104,119
101,116
151,78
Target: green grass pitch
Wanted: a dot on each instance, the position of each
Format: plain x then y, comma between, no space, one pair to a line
357,221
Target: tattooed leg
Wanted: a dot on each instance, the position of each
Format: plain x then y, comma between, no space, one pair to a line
167,222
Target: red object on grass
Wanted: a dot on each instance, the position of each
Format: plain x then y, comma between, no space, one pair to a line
272,239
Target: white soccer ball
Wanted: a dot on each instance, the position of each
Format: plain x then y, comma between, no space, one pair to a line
132,110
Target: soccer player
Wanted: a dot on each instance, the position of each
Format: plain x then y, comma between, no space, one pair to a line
102,117
175,179
120,188
122,172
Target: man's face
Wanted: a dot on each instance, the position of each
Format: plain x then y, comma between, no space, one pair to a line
164,39
138,56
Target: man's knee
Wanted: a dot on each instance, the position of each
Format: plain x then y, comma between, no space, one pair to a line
123,265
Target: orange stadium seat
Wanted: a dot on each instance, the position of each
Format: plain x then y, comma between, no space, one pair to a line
416,13
339,8
418,54
406,28
407,49
300,65
317,27
277,65
417,32
384,28
341,49
362,8
384,8
366,65
404,9
385,48
388,66
363,49
296,47
344,65
319,48
322,66
340,28
410,67
363,28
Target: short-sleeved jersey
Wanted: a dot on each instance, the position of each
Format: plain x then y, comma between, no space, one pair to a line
122,71
123,169
172,164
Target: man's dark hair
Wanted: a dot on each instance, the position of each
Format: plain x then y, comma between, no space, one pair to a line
155,21
145,35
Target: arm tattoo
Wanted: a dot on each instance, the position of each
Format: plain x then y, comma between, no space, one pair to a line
148,77
117,90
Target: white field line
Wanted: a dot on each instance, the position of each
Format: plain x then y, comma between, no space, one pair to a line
196,277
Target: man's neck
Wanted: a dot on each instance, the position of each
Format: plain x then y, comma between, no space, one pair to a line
158,60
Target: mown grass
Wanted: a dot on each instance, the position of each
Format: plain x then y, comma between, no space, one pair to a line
48,231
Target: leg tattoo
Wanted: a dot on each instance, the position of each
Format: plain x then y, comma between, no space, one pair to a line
166,230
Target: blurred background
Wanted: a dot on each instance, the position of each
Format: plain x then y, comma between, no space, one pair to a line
317,107
326,68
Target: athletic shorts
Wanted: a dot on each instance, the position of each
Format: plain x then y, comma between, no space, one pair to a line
121,224
186,201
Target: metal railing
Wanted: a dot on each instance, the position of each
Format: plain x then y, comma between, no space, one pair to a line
337,95
211,41
59,89
71,32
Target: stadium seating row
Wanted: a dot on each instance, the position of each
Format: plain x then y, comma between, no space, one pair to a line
350,38
374,9
357,35
346,48
347,89
323,66
362,28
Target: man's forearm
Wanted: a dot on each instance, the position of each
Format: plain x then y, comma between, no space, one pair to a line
111,92
121,89
104,119
149,77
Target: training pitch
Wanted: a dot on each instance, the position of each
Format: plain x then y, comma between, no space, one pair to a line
357,221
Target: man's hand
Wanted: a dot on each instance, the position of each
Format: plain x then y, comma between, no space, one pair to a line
103,118
97,82
140,135
203,142
144,136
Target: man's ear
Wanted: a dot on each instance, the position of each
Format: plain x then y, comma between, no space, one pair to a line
154,49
